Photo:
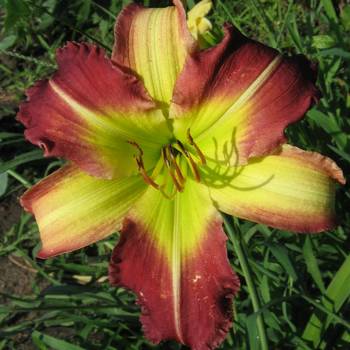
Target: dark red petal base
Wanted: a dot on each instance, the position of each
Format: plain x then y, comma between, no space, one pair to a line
202,316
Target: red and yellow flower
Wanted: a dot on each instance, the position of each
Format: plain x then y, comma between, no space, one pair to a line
159,138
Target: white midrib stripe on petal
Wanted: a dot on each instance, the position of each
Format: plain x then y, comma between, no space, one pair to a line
245,97
104,123
82,111
176,268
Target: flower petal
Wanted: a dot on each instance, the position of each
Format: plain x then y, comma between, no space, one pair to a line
291,189
74,209
89,110
197,23
154,43
238,97
172,254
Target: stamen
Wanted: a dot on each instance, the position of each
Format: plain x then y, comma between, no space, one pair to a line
192,143
178,186
190,160
133,143
182,149
176,166
141,166
144,174
194,169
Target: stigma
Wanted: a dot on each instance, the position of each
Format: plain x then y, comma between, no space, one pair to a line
174,160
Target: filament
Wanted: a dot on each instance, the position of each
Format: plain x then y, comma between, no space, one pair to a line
168,163
170,155
192,143
190,161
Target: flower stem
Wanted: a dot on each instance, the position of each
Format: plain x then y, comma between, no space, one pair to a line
19,178
235,236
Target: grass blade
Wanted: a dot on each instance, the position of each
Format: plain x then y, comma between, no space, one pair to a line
53,343
21,159
312,265
336,294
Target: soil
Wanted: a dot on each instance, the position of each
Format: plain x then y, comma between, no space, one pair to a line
17,279
14,279
10,212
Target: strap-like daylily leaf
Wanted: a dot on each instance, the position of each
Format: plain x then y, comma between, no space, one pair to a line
238,97
88,111
154,43
73,209
291,189
173,255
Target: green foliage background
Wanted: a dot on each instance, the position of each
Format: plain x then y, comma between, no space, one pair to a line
65,303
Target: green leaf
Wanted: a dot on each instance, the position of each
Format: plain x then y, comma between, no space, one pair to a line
3,183
323,41
190,3
337,51
8,41
329,124
15,10
253,336
21,159
337,293
345,17
281,255
312,265
342,154
9,135
52,342
329,9
84,11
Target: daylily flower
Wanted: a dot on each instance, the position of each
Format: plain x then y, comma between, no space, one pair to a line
159,138
197,23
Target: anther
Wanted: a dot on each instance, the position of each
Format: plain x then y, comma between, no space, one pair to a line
190,160
167,162
182,148
176,166
133,143
141,166
192,143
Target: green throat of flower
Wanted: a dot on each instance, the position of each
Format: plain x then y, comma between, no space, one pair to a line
175,160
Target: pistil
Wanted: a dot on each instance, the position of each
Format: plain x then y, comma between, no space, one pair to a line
170,154
168,163
170,158
190,161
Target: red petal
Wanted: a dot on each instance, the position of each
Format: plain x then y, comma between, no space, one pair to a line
87,112
207,287
243,94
